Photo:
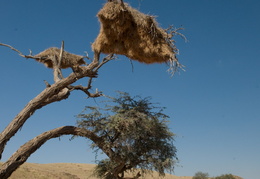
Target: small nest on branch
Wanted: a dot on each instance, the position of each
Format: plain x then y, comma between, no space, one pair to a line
68,59
126,31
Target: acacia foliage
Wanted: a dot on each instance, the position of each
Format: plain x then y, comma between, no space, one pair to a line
136,132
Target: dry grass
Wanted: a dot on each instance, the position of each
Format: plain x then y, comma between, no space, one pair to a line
126,31
65,171
68,59
69,171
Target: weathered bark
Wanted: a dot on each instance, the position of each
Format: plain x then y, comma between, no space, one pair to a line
23,153
56,92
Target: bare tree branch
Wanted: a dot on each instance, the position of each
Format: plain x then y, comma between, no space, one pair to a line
89,86
105,60
20,53
86,90
24,152
57,64
47,84
56,92
86,56
12,48
61,54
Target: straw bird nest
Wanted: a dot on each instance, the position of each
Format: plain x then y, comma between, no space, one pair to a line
126,31
48,56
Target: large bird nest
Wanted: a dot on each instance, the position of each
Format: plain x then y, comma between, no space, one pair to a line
126,31
48,56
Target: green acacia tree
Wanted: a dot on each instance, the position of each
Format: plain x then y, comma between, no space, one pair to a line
133,133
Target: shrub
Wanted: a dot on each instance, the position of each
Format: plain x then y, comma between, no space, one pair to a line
226,176
200,175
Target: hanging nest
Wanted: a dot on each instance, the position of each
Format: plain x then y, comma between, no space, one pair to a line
68,60
126,31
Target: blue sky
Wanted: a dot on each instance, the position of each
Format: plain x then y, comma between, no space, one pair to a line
214,105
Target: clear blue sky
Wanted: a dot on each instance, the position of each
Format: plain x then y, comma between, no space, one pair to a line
214,105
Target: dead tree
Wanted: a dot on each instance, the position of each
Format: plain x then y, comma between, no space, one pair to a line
59,90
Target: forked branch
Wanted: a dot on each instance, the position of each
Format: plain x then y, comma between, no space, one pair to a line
58,91
89,86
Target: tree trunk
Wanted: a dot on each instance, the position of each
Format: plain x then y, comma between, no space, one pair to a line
55,92
23,153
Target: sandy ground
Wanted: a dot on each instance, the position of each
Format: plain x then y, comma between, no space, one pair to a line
66,171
